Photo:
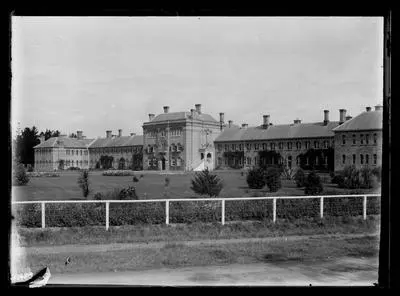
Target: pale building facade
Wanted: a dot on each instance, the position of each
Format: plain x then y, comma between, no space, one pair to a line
181,141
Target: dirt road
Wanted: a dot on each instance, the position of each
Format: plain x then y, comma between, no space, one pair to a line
342,272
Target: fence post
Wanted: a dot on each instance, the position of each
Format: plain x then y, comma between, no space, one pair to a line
365,207
321,208
43,215
274,209
167,212
107,215
223,212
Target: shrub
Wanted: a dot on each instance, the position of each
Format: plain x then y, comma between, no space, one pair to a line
313,184
287,173
135,179
83,182
127,193
205,183
20,176
141,176
300,178
338,179
256,178
377,172
98,196
167,181
74,168
352,178
112,172
273,179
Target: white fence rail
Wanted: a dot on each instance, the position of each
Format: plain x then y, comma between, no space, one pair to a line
168,201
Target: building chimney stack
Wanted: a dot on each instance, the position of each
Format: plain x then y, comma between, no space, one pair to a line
244,125
265,121
79,135
108,134
230,123
368,109
120,133
378,107
221,120
151,117
198,108
326,117
297,121
192,113
166,109
348,117
342,117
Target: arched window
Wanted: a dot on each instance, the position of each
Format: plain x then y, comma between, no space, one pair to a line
343,139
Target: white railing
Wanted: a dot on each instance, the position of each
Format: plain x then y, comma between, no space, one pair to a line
223,201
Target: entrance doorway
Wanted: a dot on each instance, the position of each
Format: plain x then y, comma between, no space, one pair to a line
163,163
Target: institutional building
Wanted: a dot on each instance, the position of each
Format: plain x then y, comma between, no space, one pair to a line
193,140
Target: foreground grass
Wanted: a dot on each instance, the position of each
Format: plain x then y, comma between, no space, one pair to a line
197,231
177,254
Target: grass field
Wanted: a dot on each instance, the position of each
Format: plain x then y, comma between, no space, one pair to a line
150,186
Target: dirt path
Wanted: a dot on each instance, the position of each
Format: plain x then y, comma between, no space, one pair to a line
344,271
128,246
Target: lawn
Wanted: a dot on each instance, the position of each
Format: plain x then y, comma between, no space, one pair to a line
150,186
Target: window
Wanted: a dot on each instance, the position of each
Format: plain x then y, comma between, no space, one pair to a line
241,147
249,160
298,145
233,147
256,146
280,145
367,139
316,160
366,158
179,162
226,147
173,162
72,152
354,159
375,158
219,146
316,144
354,139
248,146
361,159
375,138
81,152
361,139
326,144
307,144
343,159
343,140
272,146
326,160
68,152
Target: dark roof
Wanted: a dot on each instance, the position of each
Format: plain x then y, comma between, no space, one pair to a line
368,120
284,131
64,142
182,115
118,141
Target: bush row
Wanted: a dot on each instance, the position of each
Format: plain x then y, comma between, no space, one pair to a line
118,173
42,174
70,215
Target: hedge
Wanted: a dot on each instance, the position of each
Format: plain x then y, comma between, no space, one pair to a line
71,215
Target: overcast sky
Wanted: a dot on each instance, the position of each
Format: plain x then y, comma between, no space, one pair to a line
95,74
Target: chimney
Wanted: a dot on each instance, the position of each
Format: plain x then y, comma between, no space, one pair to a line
266,121
342,115
326,117
378,107
120,133
348,117
368,109
79,135
151,117
297,121
192,113
230,123
166,109
108,134
244,125
133,134
221,120
198,108
41,139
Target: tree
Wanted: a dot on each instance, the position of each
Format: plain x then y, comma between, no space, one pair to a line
83,182
313,184
20,177
256,178
25,141
205,183
50,134
273,179
300,178
72,135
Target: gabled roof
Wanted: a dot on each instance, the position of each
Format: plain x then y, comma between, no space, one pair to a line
118,142
368,120
64,142
283,131
181,116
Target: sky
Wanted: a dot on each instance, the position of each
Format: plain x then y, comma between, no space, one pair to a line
108,73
